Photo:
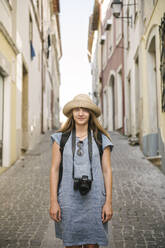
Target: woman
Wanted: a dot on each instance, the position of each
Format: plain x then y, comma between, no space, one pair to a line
81,202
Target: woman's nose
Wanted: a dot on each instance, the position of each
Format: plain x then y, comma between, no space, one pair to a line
81,111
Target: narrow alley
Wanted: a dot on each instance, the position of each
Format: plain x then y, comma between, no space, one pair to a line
138,200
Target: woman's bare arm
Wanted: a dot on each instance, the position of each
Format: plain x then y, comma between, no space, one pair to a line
55,212
107,173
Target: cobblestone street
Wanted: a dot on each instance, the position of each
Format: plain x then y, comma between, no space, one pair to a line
138,200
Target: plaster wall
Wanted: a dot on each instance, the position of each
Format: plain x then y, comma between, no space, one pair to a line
151,32
132,36
8,67
33,68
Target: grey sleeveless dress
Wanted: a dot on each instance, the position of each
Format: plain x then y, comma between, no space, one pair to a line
81,214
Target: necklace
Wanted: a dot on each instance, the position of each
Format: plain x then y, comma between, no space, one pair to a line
82,136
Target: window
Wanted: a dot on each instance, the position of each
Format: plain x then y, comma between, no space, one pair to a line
30,28
32,51
135,10
162,60
128,31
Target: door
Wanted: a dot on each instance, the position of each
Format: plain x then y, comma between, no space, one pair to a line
111,105
1,116
25,111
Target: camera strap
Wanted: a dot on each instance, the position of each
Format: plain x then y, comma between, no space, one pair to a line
89,149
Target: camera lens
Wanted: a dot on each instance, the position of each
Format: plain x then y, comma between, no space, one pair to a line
84,188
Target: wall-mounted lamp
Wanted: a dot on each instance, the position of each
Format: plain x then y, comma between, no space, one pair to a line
108,24
96,94
102,40
117,6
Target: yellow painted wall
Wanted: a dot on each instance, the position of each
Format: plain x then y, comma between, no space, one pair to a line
155,19
9,54
13,148
143,86
6,49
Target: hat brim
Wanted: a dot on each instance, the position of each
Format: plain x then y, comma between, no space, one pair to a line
81,104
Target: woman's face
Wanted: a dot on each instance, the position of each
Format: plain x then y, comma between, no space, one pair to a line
81,116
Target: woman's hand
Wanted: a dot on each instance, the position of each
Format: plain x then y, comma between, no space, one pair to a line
55,212
107,212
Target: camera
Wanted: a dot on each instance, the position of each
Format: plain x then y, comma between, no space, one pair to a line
82,184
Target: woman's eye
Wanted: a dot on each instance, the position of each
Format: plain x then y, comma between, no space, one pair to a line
76,109
81,109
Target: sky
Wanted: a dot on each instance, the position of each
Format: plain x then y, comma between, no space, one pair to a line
75,68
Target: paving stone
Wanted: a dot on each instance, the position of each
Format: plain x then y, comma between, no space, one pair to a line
138,200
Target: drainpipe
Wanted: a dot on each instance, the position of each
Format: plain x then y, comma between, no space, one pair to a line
123,75
42,71
101,91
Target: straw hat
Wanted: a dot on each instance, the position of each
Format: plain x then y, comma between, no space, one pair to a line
81,101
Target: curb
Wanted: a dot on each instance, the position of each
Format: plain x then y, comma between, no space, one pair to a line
3,169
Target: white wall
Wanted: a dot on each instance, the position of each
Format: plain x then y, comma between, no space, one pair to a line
132,38
33,67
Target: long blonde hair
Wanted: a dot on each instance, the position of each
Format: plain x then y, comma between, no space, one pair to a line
93,123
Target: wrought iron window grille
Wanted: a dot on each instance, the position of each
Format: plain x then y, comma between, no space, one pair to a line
162,59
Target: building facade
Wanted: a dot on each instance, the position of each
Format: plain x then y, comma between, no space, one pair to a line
30,50
94,52
132,72
112,69
153,116
133,95
144,121
107,51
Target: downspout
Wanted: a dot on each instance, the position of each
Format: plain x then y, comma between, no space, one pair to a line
123,76
102,76
42,71
101,93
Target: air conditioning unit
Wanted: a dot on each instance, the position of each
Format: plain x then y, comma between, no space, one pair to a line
108,24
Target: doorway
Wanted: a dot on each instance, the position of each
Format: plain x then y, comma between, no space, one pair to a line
111,104
120,100
25,110
152,86
137,98
152,147
129,124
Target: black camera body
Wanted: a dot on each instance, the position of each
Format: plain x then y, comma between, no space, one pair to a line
82,184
